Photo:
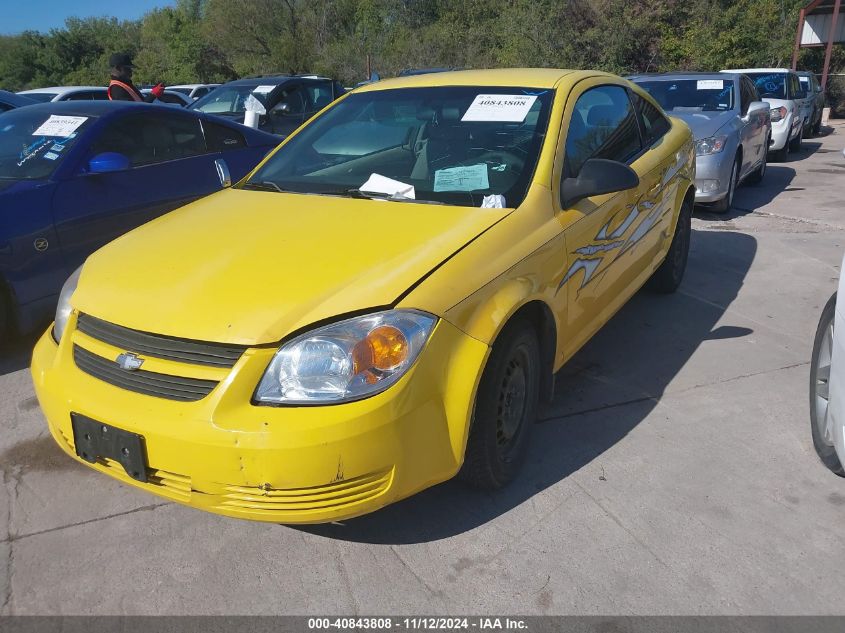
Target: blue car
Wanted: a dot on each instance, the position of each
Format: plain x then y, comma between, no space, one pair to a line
75,175
10,101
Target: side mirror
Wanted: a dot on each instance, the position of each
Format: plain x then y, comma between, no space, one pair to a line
282,108
108,162
223,173
754,107
597,176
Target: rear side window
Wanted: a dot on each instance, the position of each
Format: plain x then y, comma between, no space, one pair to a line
603,125
147,139
220,138
655,125
318,95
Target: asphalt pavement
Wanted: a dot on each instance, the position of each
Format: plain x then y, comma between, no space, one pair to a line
673,474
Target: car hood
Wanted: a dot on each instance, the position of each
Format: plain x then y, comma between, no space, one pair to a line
704,124
250,267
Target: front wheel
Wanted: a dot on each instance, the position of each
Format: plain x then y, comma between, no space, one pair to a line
669,274
821,424
505,409
757,175
796,143
724,205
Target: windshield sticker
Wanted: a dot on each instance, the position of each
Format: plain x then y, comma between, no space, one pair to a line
263,90
32,150
51,156
62,126
57,148
382,184
467,178
710,84
500,108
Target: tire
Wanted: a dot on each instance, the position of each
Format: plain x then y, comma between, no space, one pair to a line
820,390
781,154
724,205
756,177
5,315
795,144
670,273
505,409
817,126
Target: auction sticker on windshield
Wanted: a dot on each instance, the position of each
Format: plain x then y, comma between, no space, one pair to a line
263,90
710,84
62,126
501,108
469,178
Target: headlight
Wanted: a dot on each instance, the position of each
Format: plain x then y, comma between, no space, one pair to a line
64,308
346,361
778,114
711,145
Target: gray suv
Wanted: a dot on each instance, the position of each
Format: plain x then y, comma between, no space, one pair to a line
813,88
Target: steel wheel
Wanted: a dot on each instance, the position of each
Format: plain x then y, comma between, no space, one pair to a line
513,398
821,420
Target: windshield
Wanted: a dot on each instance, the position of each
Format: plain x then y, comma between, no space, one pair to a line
40,97
772,85
679,95
33,144
234,99
453,145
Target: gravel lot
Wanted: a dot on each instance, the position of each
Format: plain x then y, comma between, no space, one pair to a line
673,474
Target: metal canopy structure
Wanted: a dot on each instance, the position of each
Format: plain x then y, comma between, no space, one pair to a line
819,25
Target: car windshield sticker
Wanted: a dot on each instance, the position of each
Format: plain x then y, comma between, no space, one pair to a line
62,126
467,178
51,156
263,90
32,150
382,184
501,108
710,84
57,147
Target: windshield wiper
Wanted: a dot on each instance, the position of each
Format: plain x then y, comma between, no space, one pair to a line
392,197
264,185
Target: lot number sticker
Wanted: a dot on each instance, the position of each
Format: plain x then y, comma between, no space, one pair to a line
62,126
263,90
503,108
710,84
467,178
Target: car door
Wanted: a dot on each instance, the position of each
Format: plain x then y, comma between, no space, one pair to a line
606,234
753,129
169,166
287,111
230,145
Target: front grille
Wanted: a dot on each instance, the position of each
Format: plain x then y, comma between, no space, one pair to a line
328,497
141,381
166,347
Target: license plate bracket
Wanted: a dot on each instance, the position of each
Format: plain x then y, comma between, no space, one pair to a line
95,439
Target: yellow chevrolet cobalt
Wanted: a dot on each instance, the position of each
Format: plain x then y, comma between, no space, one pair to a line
380,305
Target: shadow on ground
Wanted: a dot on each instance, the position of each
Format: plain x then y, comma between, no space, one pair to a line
16,352
651,338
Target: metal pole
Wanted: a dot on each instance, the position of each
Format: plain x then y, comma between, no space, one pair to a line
829,50
798,35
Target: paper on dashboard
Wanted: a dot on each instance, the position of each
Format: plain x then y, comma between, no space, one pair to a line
500,108
465,178
62,126
382,184
709,84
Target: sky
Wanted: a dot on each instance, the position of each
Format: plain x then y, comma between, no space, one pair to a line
43,15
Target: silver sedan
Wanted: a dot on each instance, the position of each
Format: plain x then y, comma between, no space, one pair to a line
730,124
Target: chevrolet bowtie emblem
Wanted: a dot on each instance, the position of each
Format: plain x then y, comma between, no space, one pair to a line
129,361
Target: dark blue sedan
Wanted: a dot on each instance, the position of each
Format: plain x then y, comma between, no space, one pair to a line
10,101
76,175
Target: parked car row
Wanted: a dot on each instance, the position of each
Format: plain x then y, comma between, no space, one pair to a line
739,118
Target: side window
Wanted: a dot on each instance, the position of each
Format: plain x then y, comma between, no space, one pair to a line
745,97
603,125
752,89
318,94
79,96
655,125
221,138
147,139
294,101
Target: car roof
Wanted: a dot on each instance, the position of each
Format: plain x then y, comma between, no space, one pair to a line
683,75
61,89
524,77
92,108
16,99
192,86
757,70
276,80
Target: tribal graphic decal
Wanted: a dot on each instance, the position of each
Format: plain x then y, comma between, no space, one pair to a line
605,244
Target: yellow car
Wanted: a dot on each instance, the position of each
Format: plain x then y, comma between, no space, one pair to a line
380,305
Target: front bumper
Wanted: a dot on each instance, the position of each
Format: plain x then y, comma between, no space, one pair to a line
280,464
713,175
783,131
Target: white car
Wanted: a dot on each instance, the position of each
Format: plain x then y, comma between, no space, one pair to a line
67,93
170,97
194,91
791,107
827,384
